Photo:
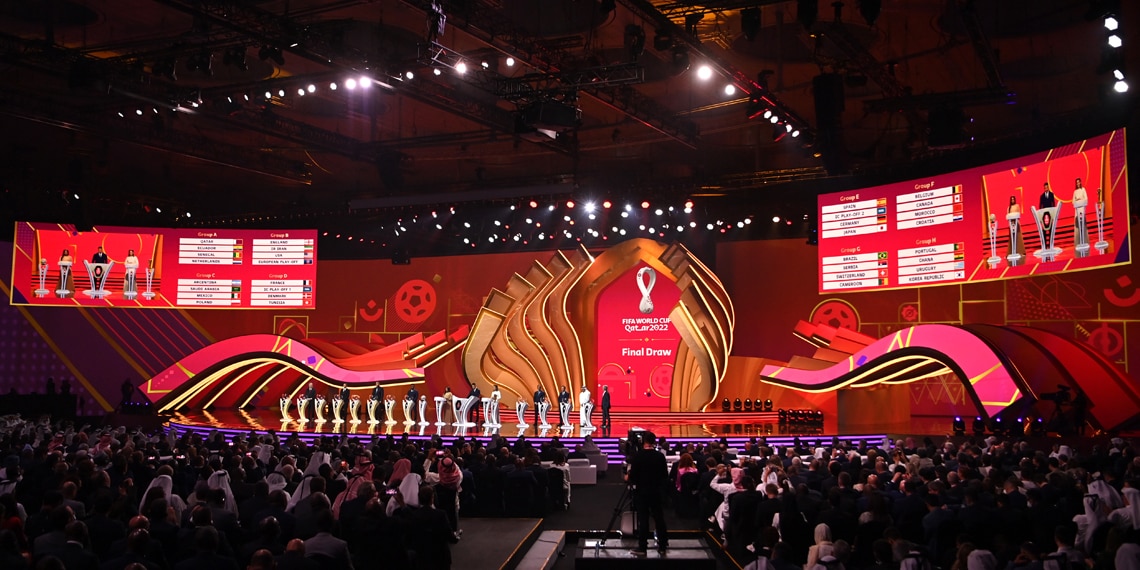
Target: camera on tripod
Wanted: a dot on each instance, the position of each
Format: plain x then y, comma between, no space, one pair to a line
635,439
1063,395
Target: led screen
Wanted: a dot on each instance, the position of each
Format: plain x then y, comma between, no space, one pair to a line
1050,212
56,265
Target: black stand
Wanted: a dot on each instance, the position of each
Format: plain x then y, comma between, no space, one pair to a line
626,500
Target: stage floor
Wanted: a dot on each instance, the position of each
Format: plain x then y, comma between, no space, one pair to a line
736,428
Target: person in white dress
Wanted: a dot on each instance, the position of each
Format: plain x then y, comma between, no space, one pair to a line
584,397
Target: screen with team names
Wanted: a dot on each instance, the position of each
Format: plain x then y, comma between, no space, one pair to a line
1065,209
164,268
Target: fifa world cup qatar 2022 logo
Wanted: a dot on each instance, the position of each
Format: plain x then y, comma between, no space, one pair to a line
646,279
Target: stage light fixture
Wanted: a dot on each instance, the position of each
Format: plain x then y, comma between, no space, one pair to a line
959,426
437,71
365,82
730,90
467,225
658,211
621,231
629,207
301,92
645,205
570,204
768,114
280,92
747,221
510,62
740,224
187,214
589,207
774,119
692,224
461,68
1111,23
1121,86
704,73
566,218
333,86
311,88
709,226
607,204
268,95
795,133
350,84
138,112
625,214
550,208
1115,41
767,405
979,425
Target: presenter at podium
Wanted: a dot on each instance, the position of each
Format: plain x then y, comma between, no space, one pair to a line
475,395
1080,222
539,399
66,276
1016,237
448,398
563,407
345,395
413,395
131,263
100,256
493,410
605,407
1048,198
311,396
378,393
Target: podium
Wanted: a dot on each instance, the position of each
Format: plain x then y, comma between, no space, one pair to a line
148,294
389,410
1080,227
319,409
440,401
302,407
64,272
520,413
337,409
423,412
97,277
285,417
584,414
373,407
462,407
130,284
564,413
354,409
1047,232
488,417
1014,219
543,408
408,407
1101,245
42,290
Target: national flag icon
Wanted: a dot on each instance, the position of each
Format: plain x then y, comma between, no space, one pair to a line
882,255
881,202
884,281
882,273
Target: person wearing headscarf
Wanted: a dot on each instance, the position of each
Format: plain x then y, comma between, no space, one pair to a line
1089,521
221,480
408,489
277,482
1109,497
448,489
1128,557
1129,514
164,482
361,472
822,547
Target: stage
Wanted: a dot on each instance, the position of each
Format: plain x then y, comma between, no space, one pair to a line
735,427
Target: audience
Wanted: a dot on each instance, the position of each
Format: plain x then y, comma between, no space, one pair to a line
117,499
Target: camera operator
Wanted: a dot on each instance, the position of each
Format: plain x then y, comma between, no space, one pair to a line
647,475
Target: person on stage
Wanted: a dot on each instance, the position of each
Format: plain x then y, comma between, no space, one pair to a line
131,261
378,392
1017,246
413,395
1080,201
646,478
475,396
311,395
584,398
447,403
605,407
68,282
496,395
344,396
563,402
100,256
1048,198
539,397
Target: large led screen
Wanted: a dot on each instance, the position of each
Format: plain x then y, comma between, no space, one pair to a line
1051,212
163,268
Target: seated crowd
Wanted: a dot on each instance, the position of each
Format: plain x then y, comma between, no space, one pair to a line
980,505
113,499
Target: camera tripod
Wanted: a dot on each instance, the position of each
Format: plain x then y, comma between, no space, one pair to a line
626,500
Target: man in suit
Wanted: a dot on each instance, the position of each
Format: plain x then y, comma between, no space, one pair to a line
647,475
1048,199
563,400
605,407
428,532
539,397
475,396
100,256
378,392
311,394
325,545
344,396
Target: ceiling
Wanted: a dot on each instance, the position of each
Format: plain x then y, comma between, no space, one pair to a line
113,116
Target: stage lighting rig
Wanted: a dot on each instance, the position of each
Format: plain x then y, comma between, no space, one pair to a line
959,426
979,426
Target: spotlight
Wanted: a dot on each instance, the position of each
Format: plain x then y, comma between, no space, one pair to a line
332,86
979,426
590,207
550,208
1121,86
570,204
461,68
365,82
268,95
409,75
533,204
280,92
436,71
768,114
1111,23
350,84
485,64
607,204
311,88
775,219
959,426
775,119
510,62
658,211
709,226
795,133
704,73
1119,75
767,405
301,92
730,90
688,204
1115,41
138,112
1037,428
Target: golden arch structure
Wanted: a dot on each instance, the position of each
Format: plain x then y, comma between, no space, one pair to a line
537,330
